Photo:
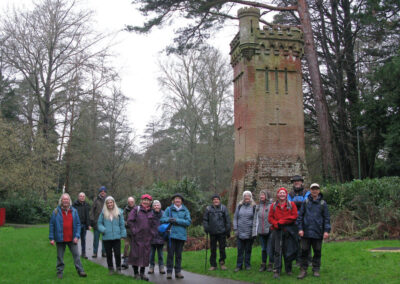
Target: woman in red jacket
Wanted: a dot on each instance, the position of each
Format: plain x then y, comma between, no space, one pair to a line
282,217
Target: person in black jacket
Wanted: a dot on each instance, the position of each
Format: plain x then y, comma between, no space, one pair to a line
83,209
314,225
217,223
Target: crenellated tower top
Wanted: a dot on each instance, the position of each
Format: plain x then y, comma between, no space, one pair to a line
275,40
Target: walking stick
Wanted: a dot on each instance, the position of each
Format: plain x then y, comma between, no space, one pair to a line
205,261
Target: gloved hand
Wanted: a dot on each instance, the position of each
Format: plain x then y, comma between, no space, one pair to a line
172,220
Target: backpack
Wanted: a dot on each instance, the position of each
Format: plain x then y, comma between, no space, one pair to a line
165,229
288,206
321,203
240,205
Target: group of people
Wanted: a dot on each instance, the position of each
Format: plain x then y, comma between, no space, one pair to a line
136,225
287,228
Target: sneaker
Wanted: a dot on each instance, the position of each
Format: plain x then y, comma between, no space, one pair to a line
179,275
276,275
82,274
303,274
212,268
94,255
169,275
144,277
263,267
316,274
162,269
151,270
269,267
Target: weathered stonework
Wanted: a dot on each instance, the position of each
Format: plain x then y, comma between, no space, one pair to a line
268,104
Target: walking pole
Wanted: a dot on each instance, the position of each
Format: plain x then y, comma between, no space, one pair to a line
205,261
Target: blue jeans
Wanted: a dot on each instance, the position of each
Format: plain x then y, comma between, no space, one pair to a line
266,248
244,249
96,239
159,249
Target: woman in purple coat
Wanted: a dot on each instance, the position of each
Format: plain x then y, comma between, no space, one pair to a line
141,222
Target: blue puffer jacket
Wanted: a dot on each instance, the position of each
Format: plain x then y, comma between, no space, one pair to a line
314,218
183,220
56,225
112,230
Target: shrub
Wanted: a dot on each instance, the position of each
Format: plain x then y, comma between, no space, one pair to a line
365,208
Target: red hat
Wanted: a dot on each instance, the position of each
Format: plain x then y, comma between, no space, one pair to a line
282,188
144,196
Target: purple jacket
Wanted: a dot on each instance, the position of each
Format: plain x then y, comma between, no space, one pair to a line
157,239
142,225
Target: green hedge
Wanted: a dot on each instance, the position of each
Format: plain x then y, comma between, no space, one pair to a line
27,211
367,208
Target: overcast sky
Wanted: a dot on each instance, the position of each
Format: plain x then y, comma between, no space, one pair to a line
136,55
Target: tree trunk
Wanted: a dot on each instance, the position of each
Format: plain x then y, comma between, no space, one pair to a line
321,107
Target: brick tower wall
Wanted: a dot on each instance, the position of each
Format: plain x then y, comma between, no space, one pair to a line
268,106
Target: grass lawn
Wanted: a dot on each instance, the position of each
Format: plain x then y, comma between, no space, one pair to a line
342,262
26,256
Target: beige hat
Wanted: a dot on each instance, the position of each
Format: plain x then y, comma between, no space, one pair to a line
314,185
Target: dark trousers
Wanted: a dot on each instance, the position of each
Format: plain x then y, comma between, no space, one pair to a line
279,239
214,239
306,245
136,270
159,249
83,240
96,240
244,252
60,256
174,249
113,246
266,248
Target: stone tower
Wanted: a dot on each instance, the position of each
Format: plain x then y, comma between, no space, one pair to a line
268,105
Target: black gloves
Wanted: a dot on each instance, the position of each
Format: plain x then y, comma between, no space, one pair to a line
172,220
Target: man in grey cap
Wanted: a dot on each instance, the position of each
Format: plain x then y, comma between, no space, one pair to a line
217,223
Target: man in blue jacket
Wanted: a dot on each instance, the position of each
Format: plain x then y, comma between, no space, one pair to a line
65,231
314,225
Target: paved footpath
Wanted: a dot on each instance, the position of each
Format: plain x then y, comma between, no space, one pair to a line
190,278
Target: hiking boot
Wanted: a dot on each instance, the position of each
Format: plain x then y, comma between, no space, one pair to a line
237,269
212,268
263,267
82,274
303,274
94,255
179,275
316,274
144,277
84,256
124,263
169,275
151,270
269,267
276,275
59,275
162,269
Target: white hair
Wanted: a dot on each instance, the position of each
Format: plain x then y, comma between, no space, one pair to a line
108,213
67,195
155,202
251,197
82,193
